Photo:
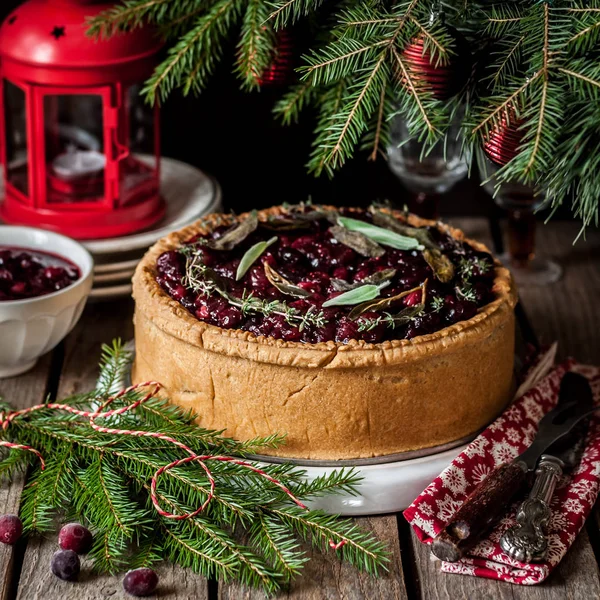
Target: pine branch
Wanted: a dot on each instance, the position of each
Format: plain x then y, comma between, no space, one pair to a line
256,46
103,480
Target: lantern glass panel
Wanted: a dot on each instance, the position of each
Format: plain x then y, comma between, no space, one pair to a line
138,170
75,159
17,161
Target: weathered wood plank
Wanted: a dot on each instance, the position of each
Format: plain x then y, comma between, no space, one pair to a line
325,577
566,311
576,578
100,324
23,391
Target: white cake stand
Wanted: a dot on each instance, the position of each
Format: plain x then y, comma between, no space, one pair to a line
389,484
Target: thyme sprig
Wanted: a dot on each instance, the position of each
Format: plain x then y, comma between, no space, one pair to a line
203,280
391,320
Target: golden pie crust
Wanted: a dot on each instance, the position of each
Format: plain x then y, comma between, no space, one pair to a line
332,400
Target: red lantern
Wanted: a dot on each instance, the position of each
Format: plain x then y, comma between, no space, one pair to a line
80,148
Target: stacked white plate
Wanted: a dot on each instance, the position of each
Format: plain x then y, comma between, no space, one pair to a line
189,194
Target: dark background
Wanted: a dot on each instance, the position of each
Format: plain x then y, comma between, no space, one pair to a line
231,135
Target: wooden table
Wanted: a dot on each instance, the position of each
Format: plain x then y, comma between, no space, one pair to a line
568,311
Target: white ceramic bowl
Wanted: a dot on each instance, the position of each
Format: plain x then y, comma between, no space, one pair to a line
32,327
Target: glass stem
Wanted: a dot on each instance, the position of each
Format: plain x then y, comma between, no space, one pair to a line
521,237
425,205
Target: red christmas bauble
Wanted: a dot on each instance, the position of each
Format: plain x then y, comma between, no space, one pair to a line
502,143
280,71
442,80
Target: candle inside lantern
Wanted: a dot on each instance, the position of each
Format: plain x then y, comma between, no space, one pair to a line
75,164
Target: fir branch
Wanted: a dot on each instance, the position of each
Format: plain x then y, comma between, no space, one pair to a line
103,480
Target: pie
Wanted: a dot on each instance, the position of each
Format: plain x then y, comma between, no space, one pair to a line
356,333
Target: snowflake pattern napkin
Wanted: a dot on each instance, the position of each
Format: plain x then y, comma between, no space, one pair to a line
502,441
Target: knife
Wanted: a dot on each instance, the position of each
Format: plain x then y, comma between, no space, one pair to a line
489,499
527,541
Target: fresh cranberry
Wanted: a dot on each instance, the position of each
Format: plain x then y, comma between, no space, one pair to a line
342,256
11,529
290,257
372,331
346,330
76,537
229,317
257,278
170,264
65,565
310,286
413,298
140,582
461,311
228,269
341,273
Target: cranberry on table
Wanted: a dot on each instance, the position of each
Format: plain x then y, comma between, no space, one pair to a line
65,565
76,537
11,529
140,582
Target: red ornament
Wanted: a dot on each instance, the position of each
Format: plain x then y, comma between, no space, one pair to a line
502,143
280,71
72,124
442,80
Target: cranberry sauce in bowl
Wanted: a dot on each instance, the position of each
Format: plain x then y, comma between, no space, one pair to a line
28,273
313,274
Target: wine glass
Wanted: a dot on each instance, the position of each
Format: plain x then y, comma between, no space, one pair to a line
521,202
427,174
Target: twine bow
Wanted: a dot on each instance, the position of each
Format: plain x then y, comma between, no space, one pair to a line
7,418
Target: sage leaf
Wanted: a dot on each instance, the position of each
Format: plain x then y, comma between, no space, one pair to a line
388,221
440,264
356,296
340,285
357,241
381,304
236,234
380,235
282,284
251,255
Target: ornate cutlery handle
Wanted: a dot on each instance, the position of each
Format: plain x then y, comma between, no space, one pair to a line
479,511
526,541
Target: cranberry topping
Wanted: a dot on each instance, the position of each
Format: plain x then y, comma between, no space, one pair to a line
28,273
313,261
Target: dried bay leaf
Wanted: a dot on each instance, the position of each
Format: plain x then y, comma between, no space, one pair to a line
340,285
381,304
236,234
251,255
440,264
356,241
282,284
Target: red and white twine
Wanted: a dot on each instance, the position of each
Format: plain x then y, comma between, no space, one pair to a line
7,418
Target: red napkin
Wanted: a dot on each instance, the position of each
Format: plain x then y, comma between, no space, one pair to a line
502,441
